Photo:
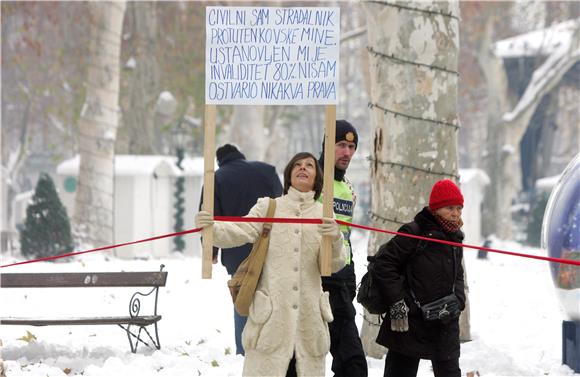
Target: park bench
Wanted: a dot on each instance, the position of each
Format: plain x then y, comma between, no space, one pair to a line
153,279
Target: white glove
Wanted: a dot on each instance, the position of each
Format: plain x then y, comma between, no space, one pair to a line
329,227
399,319
203,219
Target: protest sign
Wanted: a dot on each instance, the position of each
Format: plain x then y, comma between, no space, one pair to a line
272,56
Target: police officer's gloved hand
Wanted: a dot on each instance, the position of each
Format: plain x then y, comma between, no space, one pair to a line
398,314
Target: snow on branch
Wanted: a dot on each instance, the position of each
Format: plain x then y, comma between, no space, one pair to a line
549,73
541,42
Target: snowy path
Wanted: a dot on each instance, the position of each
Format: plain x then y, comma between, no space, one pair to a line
516,322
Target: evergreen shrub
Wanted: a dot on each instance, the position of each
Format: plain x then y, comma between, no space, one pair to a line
46,231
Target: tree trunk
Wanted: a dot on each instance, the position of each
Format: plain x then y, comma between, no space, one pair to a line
143,80
496,214
276,151
506,130
246,130
547,138
413,114
15,163
93,216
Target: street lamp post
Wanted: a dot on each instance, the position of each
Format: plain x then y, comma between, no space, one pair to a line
180,135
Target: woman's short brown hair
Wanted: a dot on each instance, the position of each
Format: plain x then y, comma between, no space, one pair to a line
317,180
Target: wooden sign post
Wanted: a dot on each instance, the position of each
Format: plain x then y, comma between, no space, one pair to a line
271,56
328,186
208,187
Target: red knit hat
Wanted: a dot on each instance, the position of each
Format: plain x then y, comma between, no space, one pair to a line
445,193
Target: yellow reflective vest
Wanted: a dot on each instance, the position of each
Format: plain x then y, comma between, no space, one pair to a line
343,206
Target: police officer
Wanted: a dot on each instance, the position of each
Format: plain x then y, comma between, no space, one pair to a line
345,344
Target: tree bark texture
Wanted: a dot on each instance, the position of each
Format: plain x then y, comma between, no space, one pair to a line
413,64
496,214
14,165
98,124
246,130
143,80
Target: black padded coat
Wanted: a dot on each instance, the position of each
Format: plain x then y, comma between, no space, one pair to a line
433,270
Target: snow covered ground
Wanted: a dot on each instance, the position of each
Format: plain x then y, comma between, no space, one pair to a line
515,321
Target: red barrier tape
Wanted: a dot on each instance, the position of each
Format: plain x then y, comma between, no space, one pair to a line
103,248
549,259
319,221
302,221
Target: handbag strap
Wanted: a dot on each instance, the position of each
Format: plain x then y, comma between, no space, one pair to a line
270,213
420,247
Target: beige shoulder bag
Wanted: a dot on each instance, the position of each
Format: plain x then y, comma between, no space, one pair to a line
244,282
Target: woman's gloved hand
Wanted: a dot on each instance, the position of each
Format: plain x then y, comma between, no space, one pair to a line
329,227
398,314
203,219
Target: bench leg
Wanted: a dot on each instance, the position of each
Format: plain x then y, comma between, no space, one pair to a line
135,344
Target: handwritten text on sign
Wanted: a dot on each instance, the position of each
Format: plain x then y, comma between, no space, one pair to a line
272,56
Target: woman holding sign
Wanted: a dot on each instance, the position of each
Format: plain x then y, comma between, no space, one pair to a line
287,328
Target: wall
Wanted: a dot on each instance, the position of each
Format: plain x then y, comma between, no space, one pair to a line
144,200
473,182
193,184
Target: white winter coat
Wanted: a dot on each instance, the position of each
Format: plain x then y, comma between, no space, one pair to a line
289,314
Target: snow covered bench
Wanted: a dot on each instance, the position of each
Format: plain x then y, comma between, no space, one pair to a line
153,279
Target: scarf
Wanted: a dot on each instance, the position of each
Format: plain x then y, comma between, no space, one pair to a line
448,226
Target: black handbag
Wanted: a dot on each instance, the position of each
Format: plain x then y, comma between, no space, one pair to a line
369,294
443,309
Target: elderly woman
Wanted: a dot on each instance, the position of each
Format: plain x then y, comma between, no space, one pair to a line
415,275
287,326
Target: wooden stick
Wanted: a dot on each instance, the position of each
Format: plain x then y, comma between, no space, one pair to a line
328,186
208,188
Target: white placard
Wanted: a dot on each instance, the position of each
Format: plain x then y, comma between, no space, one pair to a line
272,55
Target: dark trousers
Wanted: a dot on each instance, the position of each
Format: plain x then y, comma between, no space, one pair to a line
291,371
399,365
348,357
239,324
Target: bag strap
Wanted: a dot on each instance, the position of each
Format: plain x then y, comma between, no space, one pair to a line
421,244
416,231
268,226
420,247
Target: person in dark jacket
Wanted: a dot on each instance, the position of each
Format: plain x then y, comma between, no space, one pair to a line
429,271
239,183
348,357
